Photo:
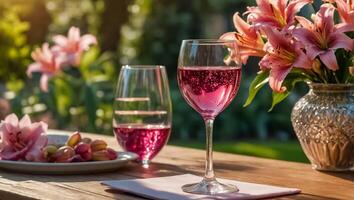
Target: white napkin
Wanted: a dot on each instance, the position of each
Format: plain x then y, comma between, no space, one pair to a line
170,188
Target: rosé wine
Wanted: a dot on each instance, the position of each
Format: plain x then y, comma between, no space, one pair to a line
142,139
209,90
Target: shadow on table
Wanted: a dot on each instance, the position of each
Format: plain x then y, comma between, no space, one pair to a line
133,170
343,175
161,169
304,196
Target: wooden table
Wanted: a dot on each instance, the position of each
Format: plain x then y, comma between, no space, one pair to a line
174,160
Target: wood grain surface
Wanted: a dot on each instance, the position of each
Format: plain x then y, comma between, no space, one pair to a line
174,160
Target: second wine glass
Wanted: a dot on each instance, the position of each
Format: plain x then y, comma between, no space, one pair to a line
209,74
142,110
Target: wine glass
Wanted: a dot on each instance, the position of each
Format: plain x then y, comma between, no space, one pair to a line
142,110
209,74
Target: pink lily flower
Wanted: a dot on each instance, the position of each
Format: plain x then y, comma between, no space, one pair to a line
248,40
283,54
47,62
22,140
275,13
73,45
345,10
322,37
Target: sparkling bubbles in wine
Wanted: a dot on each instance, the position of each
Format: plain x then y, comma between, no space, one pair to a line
144,140
209,90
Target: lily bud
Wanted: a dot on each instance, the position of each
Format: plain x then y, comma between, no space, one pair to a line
351,70
98,145
74,139
316,66
64,154
84,150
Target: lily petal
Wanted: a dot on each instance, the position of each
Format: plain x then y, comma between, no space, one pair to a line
46,54
25,122
264,63
345,10
276,38
44,82
12,120
345,27
60,40
228,36
293,8
340,40
86,41
324,18
305,36
34,67
304,22
303,60
243,27
31,132
74,34
329,59
35,153
276,78
9,125
8,153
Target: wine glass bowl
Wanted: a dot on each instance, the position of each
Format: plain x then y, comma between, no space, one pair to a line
209,90
142,110
209,75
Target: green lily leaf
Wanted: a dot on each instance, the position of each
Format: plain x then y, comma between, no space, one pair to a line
277,98
260,80
290,81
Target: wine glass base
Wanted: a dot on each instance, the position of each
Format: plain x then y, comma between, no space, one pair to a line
209,187
145,163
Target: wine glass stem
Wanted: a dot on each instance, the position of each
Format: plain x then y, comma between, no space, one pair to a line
209,170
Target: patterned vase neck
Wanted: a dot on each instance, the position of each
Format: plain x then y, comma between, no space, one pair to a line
332,89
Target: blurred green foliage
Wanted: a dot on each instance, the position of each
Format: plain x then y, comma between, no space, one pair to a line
290,151
149,32
14,51
84,14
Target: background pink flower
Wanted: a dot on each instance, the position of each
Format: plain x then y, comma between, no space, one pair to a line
73,45
47,62
22,140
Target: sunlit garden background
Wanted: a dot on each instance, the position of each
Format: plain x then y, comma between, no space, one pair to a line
133,32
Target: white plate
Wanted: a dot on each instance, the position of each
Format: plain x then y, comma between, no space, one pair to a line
68,168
